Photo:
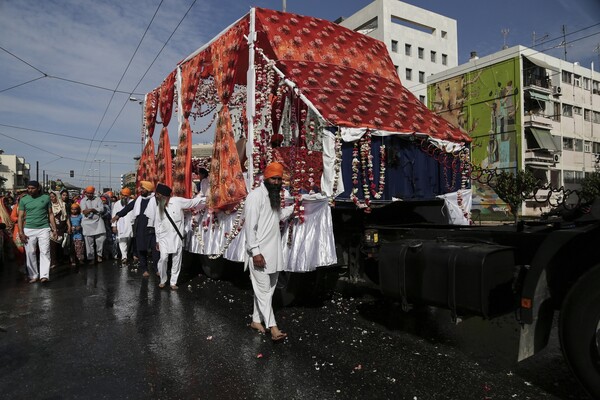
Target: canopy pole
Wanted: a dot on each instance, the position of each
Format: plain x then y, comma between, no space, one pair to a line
251,99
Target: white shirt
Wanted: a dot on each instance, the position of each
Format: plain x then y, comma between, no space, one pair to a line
123,225
166,235
92,224
261,227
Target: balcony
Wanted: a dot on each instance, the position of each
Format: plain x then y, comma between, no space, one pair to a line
537,120
539,158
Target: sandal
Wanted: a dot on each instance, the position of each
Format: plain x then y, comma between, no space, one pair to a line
257,326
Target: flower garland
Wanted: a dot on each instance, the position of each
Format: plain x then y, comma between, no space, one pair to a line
238,224
337,164
361,156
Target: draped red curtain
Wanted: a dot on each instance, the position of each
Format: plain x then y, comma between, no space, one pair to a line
225,165
190,78
164,162
147,166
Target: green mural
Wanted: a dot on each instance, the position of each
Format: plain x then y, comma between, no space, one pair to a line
485,103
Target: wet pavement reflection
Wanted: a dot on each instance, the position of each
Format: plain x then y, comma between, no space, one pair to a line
103,331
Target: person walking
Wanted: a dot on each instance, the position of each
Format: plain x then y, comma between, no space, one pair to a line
63,226
263,212
77,246
36,230
123,229
94,230
144,213
169,231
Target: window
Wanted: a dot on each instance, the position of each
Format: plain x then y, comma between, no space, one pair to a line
397,69
595,87
444,59
586,83
587,115
444,34
556,114
567,110
596,117
567,77
422,99
596,147
395,46
587,146
578,145
421,53
576,110
407,49
421,77
573,176
567,143
577,80
408,74
433,56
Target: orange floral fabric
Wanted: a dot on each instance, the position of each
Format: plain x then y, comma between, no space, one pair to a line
147,166
150,108
163,161
227,185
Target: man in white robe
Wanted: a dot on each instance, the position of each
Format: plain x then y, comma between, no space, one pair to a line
123,229
170,232
94,229
264,247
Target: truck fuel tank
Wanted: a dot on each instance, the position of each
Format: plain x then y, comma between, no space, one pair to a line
466,278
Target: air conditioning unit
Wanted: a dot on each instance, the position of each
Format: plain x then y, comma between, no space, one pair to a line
556,90
556,157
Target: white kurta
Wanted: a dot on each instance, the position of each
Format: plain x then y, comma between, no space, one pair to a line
123,225
166,236
92,224
261,227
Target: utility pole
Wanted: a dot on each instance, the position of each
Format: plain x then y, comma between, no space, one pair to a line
564,31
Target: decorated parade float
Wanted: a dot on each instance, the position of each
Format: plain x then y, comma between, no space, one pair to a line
327,103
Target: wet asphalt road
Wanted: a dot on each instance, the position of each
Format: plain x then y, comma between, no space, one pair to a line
104,332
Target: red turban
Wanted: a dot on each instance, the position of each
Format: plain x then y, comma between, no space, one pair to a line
274,169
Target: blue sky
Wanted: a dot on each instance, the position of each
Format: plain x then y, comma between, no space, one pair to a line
66,125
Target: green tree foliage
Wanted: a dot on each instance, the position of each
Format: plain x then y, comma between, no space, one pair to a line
513,189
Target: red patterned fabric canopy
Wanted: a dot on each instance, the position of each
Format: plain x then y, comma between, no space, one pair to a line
349,77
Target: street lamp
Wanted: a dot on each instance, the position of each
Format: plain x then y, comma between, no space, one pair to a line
110,163
99,175
141,102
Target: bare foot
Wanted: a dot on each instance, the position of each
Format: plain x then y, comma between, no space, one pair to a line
277,335
146,274
257,326
174,287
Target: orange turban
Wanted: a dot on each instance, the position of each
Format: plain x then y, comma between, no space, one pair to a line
274,169
126,192
75,206
149,186
90,189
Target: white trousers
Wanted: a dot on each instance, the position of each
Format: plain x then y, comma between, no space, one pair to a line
89,245
37,237
123,245
264,286
175,266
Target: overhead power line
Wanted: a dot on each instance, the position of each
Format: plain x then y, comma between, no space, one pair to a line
65,135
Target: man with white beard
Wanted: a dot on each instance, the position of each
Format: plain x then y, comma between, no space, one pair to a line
263,244
123,229
169,231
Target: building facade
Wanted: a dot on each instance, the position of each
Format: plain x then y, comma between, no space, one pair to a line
524,110
15,170
420,42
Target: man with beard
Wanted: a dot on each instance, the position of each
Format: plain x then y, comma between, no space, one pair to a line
264,248
94,230
144,212
123,228
169,231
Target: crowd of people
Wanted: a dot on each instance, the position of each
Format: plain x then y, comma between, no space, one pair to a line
46,230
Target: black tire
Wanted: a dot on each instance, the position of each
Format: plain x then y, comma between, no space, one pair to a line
294,288
579,330
214,268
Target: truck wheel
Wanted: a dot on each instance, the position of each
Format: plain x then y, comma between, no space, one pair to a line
214,268
579,330
294,287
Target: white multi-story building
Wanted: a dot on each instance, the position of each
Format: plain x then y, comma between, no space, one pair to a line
15,170
420,42
524,110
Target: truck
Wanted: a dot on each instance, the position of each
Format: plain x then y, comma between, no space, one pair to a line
381,185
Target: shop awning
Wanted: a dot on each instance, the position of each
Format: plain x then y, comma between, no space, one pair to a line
544,139
538,96
542,64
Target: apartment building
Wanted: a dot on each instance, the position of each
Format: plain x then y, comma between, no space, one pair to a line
14,170
524,110
420,42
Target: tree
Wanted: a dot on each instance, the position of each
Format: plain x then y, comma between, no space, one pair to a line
513,189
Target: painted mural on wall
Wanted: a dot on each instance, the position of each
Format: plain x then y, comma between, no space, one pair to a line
484,104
